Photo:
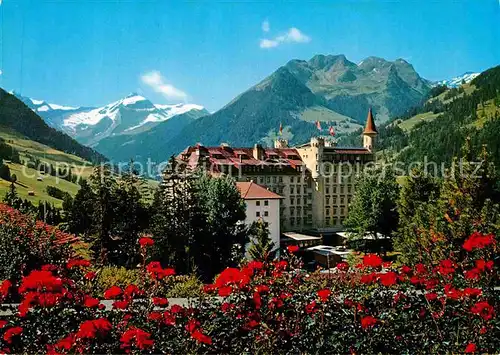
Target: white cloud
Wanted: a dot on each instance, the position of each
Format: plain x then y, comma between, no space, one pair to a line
1,72
265,25
293,35
156,81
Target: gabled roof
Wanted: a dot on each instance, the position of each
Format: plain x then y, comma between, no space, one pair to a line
370,124
253,191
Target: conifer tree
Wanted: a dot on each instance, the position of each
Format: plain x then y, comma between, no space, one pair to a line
262,245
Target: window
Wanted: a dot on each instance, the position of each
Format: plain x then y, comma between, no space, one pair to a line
257,214
292,189
299,211
298,179
292,200
281,190
349,188
281,179
274,179
291,179
292,221
268,179
257,203
266,214
327,200
334,211
335,189
341,189
292,211
327,211
261,179
334,200
327,190
341,200
342,211
298,189
335,221
305,201
266,203
327,180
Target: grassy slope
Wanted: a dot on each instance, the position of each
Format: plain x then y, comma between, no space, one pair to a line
27,178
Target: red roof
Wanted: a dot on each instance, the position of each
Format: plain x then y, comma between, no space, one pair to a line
370,124
253,191
242,156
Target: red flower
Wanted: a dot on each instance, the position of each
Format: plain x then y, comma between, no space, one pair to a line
257,300
484,310
452,292
368,279
472,292
482,265
292,249
226,307
131,291
405,269
12,332
90,275
92,328
388,278
4,289
372,260
112,292
368,322
191,325
91,302
120,304
146,242
342,266
155,316
160,301
200,337
3,323
176,308
225,291
473,274
77,263
66,343
324,294
311,307
262,289
157,272
232,276
471,348
446,267
255,265
138,337
168,318
431,296
41,281
478,241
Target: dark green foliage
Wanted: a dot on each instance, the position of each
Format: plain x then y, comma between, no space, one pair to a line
262,245
57,192
15,115
373,209
4,171
437,90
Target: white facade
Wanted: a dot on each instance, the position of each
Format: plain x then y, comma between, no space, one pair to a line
267,210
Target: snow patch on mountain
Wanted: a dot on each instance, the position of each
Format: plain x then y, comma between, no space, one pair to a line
458,80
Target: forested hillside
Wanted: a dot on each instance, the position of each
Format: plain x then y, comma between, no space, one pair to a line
438,129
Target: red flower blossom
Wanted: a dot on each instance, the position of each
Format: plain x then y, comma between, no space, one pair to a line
91,328
91,302
342,266
372,260
226,307
137,337
452,292
90,275
120,304
478,241
41,281
292,249
160,301
77,263
368,279
176,309
368,322
11,333
472,292
257,300
200,337
311,307
405,269
66,343
388,278
155,316
157,272
446,267
112,292
431,296
3,323
262,289
131,291
482,265
470,348
255,265
168,318
209,288
225,291
191,325
324,294
484,310
473,274
4,289
232,276
146,242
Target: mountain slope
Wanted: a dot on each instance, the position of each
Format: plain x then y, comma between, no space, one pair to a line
439,129
459,80
330,89
15,115
147,144
89,125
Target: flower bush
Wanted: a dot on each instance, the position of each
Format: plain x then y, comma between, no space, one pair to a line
276,307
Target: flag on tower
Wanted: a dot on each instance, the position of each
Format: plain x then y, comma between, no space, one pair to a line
331,131
281,129
318,125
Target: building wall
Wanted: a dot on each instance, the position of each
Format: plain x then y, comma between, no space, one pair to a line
296,205
257,209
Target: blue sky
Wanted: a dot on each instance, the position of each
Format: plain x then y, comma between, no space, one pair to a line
89,53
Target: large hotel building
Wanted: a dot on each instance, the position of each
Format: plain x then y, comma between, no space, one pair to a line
316,179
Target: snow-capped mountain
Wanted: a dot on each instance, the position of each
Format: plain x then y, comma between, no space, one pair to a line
130,115
457,81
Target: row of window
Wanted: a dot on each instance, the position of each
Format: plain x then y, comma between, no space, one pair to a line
258,214
334,221
343,211
266,203
334,200
342,189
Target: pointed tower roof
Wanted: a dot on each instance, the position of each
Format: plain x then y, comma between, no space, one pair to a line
370,124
